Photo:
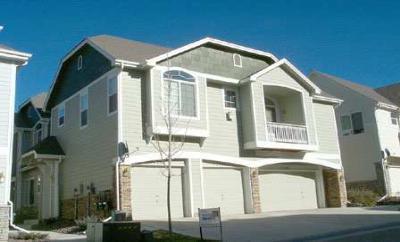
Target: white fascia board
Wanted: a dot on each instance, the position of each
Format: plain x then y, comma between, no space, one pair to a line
15,55
387,106
327,99
153,61
291,67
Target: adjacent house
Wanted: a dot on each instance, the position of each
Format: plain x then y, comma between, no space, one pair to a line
258,134
10,60
368,133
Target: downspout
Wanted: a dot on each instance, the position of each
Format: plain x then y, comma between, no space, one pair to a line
12,225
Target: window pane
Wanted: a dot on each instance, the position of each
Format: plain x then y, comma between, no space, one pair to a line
346,122
84,118
84,102
393,117
112,86
61,115
357,122
178,75
188,100
112,103
171,95
230,99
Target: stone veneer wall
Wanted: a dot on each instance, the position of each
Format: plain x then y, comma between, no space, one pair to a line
255,190
335,188
125,189
4,213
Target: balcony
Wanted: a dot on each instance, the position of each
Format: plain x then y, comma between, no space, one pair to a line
286,133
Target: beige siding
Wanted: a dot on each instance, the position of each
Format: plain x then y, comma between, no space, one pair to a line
258,99
326,128
246,111
89,151
224,134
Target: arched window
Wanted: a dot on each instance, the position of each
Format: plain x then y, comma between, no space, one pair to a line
270,110
179,93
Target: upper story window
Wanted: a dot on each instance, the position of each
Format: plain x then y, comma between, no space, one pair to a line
270,110
179,93
80,62
394,118
61,115
237,60
230,99
38,136
112,95
84,106
352,124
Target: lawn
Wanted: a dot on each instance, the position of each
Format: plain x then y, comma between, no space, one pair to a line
162,235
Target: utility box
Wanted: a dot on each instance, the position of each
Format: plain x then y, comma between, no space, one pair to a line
116,231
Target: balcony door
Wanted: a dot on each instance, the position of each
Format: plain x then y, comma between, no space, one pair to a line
270,110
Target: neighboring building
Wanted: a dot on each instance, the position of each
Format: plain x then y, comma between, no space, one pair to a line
10,60
369,134
260,136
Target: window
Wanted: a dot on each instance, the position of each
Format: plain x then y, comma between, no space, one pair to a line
112,96
352,124
179,93
230,99
31,191
61,115
357,122
270,110
394,117
345,122
79,67
84,105
237,60
38,134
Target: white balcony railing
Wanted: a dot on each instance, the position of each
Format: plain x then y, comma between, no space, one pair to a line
287,133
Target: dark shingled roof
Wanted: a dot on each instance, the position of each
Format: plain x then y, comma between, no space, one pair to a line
48,146
363,90
21,121
129,50
391,92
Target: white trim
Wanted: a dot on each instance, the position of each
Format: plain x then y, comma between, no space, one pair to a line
240,60
239,161
327,99
284,62
80,63
237,106
280,146
253,109
387,106
20,57
193,132
153,61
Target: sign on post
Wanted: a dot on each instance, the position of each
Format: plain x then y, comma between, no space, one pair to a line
210,218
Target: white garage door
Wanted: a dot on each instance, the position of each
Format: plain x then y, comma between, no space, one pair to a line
287,190
149,193
223,188
394,175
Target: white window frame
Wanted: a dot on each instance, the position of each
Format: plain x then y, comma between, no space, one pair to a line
60,107
81,95
109,95
234,60
346,132
394,117
196,88
80,63
224,90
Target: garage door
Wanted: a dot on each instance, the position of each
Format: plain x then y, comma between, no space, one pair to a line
287,190
149,193
223,188
394,175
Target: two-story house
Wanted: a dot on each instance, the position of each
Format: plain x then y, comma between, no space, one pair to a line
258,134
10,60
369,135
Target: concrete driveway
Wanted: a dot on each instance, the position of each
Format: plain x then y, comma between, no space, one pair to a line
321,224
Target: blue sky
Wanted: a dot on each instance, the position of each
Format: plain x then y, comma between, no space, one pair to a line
357,40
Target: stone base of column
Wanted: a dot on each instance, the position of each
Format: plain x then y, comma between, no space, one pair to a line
335,188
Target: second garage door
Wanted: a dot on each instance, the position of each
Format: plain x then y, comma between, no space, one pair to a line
394,175
149,193
223,188
287,190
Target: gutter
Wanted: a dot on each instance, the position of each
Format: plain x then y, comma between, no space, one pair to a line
11,219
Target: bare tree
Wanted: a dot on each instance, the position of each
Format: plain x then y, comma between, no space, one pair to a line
169,143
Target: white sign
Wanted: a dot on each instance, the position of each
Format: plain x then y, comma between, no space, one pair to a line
210,217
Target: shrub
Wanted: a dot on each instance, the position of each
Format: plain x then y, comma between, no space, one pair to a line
362,197
25,213
29,236
53,224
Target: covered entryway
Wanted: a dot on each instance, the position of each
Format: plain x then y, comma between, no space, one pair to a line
394,177
149,192
223,187
287,190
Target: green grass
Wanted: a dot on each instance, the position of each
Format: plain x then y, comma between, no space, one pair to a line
162,235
